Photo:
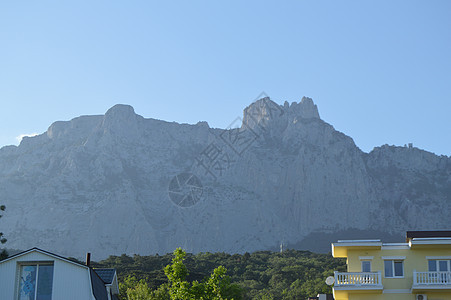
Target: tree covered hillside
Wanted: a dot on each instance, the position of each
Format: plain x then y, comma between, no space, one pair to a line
261,275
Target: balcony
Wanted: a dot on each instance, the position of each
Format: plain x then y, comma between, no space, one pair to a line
369,281
431,280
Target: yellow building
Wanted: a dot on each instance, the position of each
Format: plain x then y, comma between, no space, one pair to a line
416,270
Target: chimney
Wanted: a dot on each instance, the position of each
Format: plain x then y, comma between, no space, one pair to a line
88,259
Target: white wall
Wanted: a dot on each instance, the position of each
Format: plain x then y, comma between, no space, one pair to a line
7,279
70,281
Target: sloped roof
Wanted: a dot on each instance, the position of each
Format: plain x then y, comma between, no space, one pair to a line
107,275
98,286
43,252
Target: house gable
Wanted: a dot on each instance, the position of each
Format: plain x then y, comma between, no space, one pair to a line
37,250
71,280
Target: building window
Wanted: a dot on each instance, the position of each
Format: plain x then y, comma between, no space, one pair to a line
440,269
366,265
36,281
438,265
394,268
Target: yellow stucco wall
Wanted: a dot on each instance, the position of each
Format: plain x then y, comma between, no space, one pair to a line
415,259
397,297
407,296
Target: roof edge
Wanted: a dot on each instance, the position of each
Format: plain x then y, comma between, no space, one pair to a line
35,249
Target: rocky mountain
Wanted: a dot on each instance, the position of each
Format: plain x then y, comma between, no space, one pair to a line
119,183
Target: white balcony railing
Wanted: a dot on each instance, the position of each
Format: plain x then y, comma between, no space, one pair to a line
362,279
431,278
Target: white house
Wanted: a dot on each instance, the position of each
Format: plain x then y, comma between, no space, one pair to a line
36,274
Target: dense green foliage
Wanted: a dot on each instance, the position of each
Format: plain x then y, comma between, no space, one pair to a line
3,253
216,287
262,275
2,239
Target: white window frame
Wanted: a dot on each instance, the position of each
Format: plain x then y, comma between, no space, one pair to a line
366,259
21,264
437,266
394,259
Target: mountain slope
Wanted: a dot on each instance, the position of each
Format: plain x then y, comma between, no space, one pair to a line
120,183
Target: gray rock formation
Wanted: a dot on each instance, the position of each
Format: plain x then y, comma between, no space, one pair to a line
120,183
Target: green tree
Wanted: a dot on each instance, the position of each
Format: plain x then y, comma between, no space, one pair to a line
3,254
216,287
162,293
128,282
263,295
2,239
140,291
292,274
177,272
132,289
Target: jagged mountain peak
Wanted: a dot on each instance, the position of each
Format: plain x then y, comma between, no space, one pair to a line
305,109
266,113
103,183
265,107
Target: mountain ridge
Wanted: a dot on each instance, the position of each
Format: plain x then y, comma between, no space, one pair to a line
103,183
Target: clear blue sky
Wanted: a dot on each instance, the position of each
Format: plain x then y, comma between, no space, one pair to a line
379,71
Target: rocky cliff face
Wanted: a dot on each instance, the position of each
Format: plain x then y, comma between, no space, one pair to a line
120,183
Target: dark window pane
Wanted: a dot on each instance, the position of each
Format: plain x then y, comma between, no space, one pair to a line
398,268
443,265
45,282
366,266
432,265
388,268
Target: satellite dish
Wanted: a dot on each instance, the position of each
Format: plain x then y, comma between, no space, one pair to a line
330,280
